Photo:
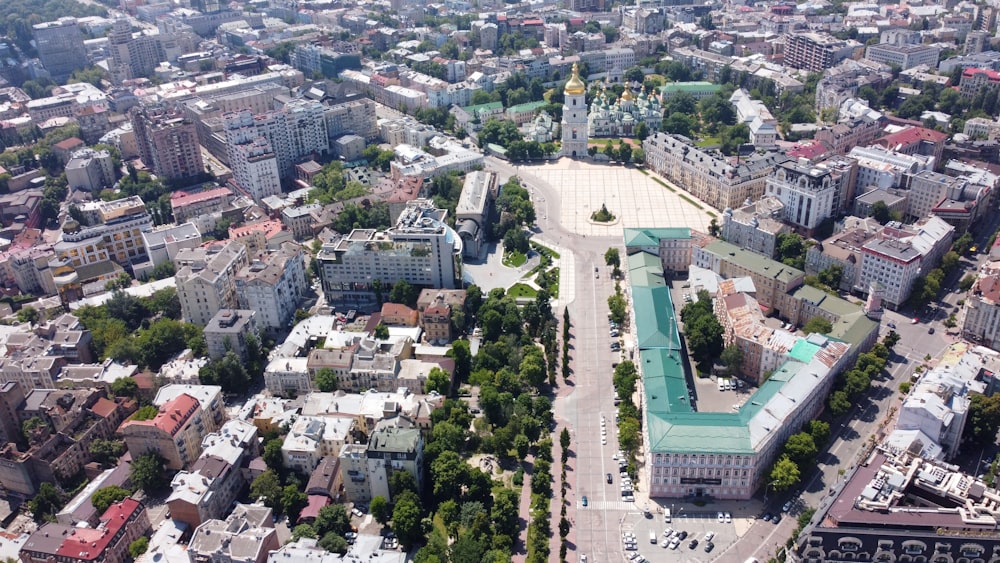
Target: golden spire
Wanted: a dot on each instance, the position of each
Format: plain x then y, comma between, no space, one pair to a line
575,86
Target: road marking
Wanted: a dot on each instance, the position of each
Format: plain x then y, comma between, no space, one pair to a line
612,505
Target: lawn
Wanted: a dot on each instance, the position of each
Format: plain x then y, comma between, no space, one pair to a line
708,142
514,259
521,290
554,283
541,249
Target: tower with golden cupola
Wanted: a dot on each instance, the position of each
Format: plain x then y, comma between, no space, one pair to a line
574,117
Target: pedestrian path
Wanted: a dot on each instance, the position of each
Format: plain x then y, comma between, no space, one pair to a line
567,277
609,505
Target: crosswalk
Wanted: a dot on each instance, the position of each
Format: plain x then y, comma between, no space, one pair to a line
619,505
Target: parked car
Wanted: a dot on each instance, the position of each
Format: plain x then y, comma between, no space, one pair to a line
584,501
693,544
709,547
610,480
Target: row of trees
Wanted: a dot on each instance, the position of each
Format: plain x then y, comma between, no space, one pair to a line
540,527
629,416
925,289
853,383
798,454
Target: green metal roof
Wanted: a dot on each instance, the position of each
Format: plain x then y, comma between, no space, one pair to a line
652,237
666,389
803,350
648,278
655,325
639,260
671,87
530,106
754,262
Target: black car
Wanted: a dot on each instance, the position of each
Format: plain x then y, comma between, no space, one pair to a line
776,518
766,517
930,330
610,480
709,547
682,535
693,544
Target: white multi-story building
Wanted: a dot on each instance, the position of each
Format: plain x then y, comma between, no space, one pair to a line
295,131
903,56
206,280
273,285
113,231
255,167
807,193
883,168
755,226
91,170
420,249
366,468
982,128
894,264
927,188
311,438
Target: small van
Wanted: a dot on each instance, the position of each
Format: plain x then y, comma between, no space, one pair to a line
666,515
652,537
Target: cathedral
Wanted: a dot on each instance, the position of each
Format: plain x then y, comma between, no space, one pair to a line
620,118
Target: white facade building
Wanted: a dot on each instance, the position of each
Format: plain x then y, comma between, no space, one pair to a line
273,286
894,264
206,280
807,193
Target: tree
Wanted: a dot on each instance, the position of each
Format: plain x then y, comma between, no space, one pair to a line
228,372
267,487
785,474
46,502
820,432
963,243
334,543
333,519
713,227
880,212
801,449
404,293
326,380
817,325
381,332
641,131
839,403
106,496
147,472
303,531
380,510
732,358
28,315
125,387
891,339
950,261
983,420
138,547
462,355
967,282
612,258
624,152
791,250
407,520
564,439
293,501
106,452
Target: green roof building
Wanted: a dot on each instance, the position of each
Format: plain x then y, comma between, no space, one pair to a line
697,90
724,455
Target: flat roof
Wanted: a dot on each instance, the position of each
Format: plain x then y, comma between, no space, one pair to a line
754,262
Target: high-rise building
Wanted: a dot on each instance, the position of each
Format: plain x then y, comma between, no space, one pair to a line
574,117
132,56
60,47
295,131
816,51
251,157
167,142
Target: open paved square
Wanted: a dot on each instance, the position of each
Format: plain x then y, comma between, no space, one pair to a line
634,198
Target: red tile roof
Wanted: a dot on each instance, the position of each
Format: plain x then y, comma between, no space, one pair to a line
104,407
69,144
90,543
912,135
809,150
172,416
181,198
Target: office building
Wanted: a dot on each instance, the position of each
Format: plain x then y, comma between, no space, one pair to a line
807,193
903,56
420,249
60,47
774,281
167,142
112,230
673,246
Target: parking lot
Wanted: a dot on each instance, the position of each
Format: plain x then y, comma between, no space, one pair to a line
695,524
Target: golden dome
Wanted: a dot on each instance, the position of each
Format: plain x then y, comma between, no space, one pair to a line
575,86
627,94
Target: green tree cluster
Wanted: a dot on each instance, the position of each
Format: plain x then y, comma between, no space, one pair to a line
367,215
791,250
515,208
703,330
983,421
856,381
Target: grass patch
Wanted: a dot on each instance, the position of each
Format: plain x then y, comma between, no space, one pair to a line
691,201
553,288
708,142
521,290
665,185
514,259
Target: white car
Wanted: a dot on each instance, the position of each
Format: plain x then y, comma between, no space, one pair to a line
674,543
729,518
709,536
722,518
